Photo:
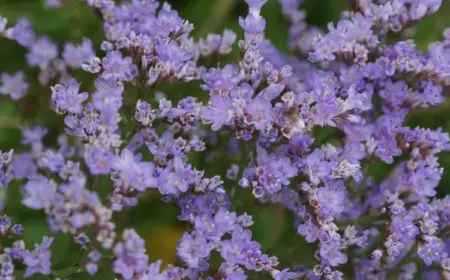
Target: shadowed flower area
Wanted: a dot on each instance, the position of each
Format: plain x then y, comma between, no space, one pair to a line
224,139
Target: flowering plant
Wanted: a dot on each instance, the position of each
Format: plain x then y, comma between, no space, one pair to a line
124,140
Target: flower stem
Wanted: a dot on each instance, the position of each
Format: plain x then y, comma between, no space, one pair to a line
66,272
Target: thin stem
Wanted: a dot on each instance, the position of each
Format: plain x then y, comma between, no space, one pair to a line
65,272
365,220
76,268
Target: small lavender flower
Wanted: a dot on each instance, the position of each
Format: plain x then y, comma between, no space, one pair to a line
51,160
130,258
284,275
132,173
7,267
260,113
93,65
23,32
39,193
329,200
98,160
5,223
116,67
193,250
219,113
214,43
14,85
92,266
4,179
107,46
232,172
38,260
42,52
33,135
432,250
252,24
67,98
77,55
17,229
255,5
108,96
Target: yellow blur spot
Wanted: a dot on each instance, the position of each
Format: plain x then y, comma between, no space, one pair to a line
161,244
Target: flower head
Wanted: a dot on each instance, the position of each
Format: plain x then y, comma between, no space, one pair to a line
14,85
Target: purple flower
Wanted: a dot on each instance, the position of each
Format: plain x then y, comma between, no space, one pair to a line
170,51
144,113
331,253
377,254
39,193
285,275
17,229
91,268
118,68
309,231
256,4
64,147
167,21
33,135
5,223
4,179
42,51
176,179
23,33
219,112
252,24
132,173
98,160
51,160
38,260
95,256
16,250
108,96
362,87
219,81
329,200
106,46
14,85
394,246
215,43
273,171
193,250
432,250
232,272
77,55
130,258
7,268
67,98
260,112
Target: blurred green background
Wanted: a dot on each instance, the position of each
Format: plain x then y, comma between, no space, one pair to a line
153,219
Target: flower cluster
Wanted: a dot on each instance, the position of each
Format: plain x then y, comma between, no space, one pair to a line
272,107
37,261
